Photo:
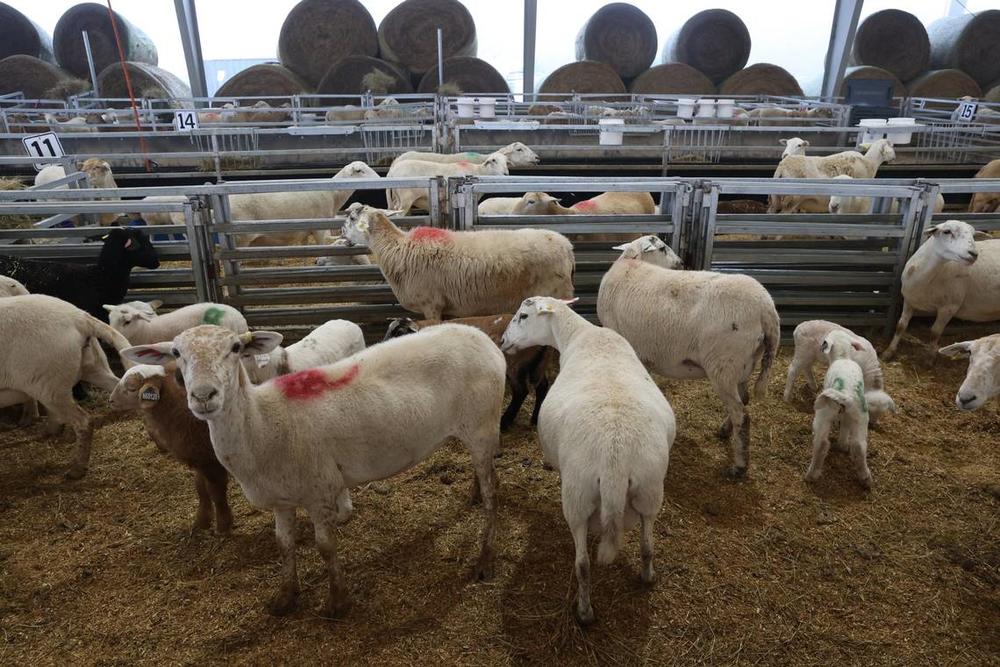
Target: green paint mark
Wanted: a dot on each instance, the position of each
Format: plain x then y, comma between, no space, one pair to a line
838,384
472,156
859,391
213,316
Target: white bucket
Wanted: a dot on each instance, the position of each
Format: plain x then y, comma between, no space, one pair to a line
487,107
466,107
609,138
724,108
706,108
900,136
685,107
874,129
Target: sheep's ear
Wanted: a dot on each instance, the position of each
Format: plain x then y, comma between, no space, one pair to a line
108,308
649,246
856,345
548,198
865,147
783,141
620,247
957,350
394,212
805,142
930,230
570,302
980,235
543,307
155,303
157,353
259,342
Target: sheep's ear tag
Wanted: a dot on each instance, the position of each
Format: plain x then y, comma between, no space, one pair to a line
149,393
262,360
363,226
542,307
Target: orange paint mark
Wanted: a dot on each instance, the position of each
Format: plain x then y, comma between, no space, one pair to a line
585,205
429,235
313,382
464,164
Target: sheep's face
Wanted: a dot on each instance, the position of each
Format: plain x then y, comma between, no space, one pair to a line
531,324
138,388
99,173
536,203
519,155
838,345
208,360
982,381
126,318
886,153
495,165
954,241
356,169
794,146
879,403
11,287
400,326
652,250
356,225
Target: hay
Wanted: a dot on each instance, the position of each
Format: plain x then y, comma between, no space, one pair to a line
408,34
93,18
992,93
67,88
347,77
869,72
32,76
944,83
970,43
895,41
14,221
761,79
19,35
257,81
620,35
583,77
672,78
317,33
715,42
467,75
147,81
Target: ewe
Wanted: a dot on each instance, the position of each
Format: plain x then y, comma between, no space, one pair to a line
982,381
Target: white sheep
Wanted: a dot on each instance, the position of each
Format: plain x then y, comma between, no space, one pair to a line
305,439
841,204
517,154
765,116
74,124
404,199
982,380
99,175
606,427
343,260
438,272
11,287
328,343
950,275
607,203
842,402
794,146
498,206
693,324
138,321
164,217
46,341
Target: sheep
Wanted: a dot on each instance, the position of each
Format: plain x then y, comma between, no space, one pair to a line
293,205
692,324
982,380
606,427
328,343
343,260
99,175
74,124
404,199
841,204
986,202
175,431
777,116
841,403
262,112
498,206
164,217
517,154
11,287
608,203
437,272
793,146
950,275
138,321
305,439
345,113
88,286
525,368
42,358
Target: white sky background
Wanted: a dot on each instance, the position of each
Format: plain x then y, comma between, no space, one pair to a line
790,33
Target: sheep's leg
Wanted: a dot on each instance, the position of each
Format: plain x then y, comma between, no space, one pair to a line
859,455
811,379
518,392
217,484
338,600
482,460
288,590
726,430
203,518
648,575
944,316
541,390
583,611
904,321
822,423
63,409
29,413
795,369
734,399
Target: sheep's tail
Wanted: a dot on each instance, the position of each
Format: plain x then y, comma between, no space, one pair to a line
833,396
94,328
614,498
771,324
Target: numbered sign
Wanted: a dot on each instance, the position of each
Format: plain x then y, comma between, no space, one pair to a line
185,121
43,145
966,112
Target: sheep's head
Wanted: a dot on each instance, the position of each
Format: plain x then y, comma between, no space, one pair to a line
982,380
652,250
519,155
536,203
356,169
879,403
838,344
357,224
140,387
531,325
11,287
883,151
99,173
954,241
794,146
208,359
125,318
400,326
495,165
838,202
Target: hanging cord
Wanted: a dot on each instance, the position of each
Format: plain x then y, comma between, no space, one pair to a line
128,85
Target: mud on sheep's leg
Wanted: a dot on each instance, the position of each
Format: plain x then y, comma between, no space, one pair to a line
284,601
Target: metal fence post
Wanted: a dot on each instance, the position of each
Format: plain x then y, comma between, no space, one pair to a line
197,259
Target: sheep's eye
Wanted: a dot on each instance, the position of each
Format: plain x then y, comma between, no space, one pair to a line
236,348
948,232
176,353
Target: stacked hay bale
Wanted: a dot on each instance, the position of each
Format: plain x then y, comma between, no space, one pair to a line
715,42
37,78
147,80
94,18
619,35
584,77
408,34
19,35
257,82
318,33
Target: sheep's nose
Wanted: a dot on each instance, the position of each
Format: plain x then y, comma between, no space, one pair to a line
834,208
204,394
966,400
973,254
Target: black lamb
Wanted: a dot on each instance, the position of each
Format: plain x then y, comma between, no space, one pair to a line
88,286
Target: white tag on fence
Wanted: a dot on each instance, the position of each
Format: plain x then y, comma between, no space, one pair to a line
185,121
43,145
966,112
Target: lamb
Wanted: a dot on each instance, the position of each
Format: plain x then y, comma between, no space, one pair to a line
982,380
608,203
525,368
328,343
841,403
43,357
88,286
437,272
704,324
498,206
138,321
345,113
74,124
841,204
163,217
986,202
777,116
606,427
517,154
99,175
170,424
793,146
343,260
404,199
950,275
305,439
11,287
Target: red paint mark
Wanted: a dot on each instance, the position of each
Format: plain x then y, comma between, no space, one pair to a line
313,382
429,234
464,164
585,205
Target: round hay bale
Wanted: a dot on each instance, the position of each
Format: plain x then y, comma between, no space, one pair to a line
147,81
584,77
992,93
945,83
319,32
93,18
620,35
761,79
872,72
19,35
895,41
715,42
467,75
258,81
32,76
354,75
970,43
408,34
672,78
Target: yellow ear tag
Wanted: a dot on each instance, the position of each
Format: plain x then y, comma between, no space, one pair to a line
545,308
363,226
246,337
149,393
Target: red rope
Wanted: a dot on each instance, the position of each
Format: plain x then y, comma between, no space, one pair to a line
128,83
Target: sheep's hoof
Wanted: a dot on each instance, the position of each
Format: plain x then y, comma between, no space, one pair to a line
887,355
736,473
811,477
483,570
586,617
725,430
201,523
648,578
332,609
76,472
284,602
866,483
505,425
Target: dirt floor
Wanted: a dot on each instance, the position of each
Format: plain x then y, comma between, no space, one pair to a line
770,571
